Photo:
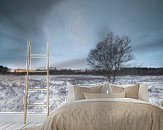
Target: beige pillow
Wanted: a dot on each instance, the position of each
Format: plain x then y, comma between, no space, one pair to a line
104,95
143,93
79,91
131,91
105,87
76,92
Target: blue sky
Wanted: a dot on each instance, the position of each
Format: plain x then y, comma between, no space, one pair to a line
73,27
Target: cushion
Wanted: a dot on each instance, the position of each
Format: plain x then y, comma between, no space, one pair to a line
76,92
104,95
143,93
131,91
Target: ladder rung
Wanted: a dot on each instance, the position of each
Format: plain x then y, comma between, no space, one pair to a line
37,105
37,89
38,57
39,71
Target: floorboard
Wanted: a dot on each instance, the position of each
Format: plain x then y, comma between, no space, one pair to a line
5,126
18,126
30,125
13,126
1,124
21,126
39,124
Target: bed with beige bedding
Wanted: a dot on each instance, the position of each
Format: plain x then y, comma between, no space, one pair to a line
106,107
106,114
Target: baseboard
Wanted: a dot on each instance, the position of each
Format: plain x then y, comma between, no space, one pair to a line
19,117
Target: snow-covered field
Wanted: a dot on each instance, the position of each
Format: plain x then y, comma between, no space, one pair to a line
12,89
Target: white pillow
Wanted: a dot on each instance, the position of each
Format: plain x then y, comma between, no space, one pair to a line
143,93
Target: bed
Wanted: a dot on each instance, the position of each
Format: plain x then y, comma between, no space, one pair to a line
105,107
103,113
106,114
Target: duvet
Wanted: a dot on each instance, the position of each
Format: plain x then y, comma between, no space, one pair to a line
106,114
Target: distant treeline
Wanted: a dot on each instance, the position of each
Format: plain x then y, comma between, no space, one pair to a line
122,71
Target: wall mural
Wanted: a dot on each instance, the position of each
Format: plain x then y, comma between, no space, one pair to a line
90,43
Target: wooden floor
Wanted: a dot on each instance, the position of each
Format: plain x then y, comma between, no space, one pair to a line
17,126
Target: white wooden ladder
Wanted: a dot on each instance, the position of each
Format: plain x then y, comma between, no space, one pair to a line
28,72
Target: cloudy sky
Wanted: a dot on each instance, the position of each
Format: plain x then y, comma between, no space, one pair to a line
73,27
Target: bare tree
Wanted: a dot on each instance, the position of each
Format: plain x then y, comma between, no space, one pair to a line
111,54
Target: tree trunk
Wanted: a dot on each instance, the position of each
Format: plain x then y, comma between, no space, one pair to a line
108,76
114,76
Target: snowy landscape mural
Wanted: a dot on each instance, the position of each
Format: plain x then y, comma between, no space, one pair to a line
91,42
